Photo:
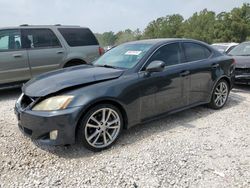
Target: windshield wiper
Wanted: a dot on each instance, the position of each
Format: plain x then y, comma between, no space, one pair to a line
107,66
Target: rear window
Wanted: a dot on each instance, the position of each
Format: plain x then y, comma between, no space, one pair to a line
39,38
78,36
195,52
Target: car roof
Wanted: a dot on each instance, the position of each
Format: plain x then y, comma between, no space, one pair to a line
25,26
225,44
163,40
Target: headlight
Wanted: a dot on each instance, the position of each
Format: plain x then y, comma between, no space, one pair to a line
54,103
19,99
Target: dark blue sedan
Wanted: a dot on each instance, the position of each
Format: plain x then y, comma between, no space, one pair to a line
131,84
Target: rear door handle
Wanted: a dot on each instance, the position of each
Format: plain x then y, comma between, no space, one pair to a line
17,55
59,52
184,73
216,65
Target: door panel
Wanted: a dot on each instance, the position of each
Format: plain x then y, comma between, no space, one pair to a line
164,91
197,56
172,89
14,65
147,89
44,50
200,81
167,90
44,60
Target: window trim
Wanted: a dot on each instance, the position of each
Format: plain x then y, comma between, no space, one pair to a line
13,50
184,52
41,48
165,44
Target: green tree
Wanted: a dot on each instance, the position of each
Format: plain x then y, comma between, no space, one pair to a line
240,24
200,26
125,36
233,26
164,27
222,31
106,39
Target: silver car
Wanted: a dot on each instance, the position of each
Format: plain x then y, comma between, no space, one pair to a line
27,51
225,47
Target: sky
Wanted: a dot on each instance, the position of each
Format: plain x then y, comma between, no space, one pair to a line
103,15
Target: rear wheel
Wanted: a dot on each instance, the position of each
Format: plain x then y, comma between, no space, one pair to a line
100,127
220,95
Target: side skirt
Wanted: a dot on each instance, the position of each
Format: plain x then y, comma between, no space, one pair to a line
148,120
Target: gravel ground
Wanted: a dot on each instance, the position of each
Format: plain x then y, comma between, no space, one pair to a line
195,148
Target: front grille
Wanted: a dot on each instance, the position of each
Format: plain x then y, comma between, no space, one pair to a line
26,101
242,70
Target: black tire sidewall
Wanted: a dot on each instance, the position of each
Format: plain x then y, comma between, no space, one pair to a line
81,139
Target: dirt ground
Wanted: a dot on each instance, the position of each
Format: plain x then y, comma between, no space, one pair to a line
198,147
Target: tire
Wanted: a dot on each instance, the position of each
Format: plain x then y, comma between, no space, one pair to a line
220,95
97,133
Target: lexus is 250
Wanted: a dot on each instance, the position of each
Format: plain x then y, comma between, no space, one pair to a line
130,84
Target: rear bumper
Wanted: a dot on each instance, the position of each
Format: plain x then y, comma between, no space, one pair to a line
38,125
242,75
242,78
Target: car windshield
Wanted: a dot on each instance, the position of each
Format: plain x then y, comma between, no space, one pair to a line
241,50
125,56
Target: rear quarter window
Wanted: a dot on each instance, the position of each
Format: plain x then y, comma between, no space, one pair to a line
78,36
195,52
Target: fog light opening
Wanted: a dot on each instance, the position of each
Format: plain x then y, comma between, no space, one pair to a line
53,135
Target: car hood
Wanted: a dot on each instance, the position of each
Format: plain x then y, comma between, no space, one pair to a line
242,61
55,81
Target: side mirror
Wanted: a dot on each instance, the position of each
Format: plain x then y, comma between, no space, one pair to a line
155,66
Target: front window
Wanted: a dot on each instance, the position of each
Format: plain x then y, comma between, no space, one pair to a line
170,54
241,50
125,56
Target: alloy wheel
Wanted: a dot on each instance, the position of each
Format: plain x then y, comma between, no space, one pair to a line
102,128
221,94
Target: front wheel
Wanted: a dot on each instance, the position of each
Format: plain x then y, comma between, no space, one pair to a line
220,95
100,127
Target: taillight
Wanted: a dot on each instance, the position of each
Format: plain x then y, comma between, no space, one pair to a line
101,51
234,62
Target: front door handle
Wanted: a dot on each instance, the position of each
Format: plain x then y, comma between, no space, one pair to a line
184,73
17,55
59,52
215,65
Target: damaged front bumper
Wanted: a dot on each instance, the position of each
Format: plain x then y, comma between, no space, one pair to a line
52,128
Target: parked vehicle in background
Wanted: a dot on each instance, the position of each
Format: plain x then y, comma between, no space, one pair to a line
225,47
107,48
28,51
131,84
241,54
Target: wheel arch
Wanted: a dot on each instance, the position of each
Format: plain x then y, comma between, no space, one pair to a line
74,61
224,77
103,101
